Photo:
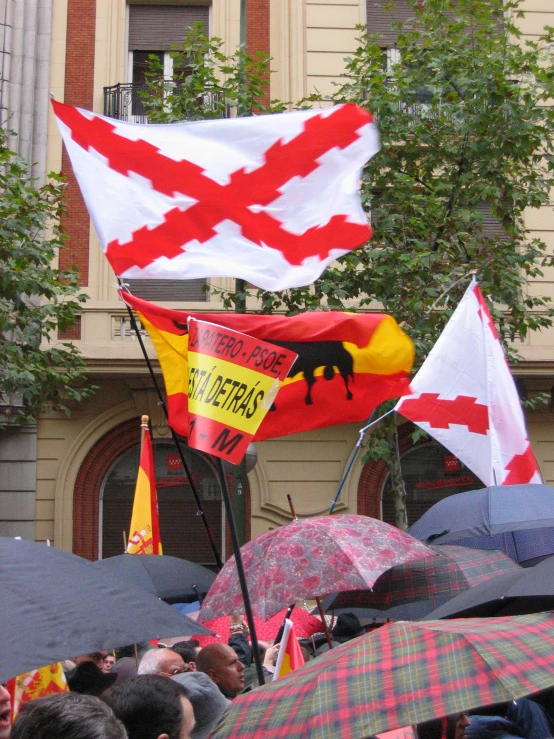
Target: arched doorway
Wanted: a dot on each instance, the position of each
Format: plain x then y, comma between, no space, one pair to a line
104,490
430,473
181,531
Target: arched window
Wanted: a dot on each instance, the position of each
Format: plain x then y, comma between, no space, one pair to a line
430,473
181,529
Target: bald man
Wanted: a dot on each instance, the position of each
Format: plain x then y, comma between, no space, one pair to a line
221,663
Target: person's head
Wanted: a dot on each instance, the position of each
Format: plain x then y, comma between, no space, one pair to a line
188,651
221,663
207,701
124,669
96,657
460,726
67,716
164,662
108,663
88,679
152,707
5,713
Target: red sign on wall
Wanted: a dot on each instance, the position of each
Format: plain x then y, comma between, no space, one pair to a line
451,463
174,462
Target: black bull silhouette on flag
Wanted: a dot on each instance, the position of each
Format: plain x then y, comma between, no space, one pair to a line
311,356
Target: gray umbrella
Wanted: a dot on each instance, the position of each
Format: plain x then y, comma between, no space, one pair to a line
515,593
56,606
508,516
173,579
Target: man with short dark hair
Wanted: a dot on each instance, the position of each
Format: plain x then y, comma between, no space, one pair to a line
67,716
221,663
152,707
189,652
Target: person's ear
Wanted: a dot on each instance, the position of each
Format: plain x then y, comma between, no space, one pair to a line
212,674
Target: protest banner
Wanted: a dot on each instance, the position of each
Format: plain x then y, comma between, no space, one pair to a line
233,379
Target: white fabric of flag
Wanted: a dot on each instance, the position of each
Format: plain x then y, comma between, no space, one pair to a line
271,199
465,397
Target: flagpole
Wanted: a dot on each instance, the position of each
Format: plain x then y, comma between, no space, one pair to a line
201,512
240,572
473,274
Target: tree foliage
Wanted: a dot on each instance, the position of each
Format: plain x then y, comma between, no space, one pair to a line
463,105
207,83
467,147
36,299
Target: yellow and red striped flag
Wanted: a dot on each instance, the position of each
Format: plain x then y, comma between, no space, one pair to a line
36,684
290,655
144,533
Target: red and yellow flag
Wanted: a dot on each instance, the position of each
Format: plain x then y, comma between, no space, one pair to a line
347,363
144,533
36,684
290,655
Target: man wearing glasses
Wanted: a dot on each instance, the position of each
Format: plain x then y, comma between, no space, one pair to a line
163,662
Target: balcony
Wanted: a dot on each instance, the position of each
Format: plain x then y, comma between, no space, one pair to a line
125,103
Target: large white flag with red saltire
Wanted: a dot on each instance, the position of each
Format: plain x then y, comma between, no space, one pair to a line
465,397
271,199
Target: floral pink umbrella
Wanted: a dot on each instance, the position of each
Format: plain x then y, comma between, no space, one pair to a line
304,625
307,559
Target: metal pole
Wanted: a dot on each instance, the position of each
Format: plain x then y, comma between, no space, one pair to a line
201,512
242,576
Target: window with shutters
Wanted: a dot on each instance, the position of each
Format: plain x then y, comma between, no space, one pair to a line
153,31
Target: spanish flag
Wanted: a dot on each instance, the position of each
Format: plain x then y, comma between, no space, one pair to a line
348,363
36,684
144,533
290,655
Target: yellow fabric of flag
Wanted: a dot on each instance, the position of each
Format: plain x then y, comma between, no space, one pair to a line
36,684
144,532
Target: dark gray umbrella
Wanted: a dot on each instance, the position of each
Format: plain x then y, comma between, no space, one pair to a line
56,606
172,579
519,519
516,593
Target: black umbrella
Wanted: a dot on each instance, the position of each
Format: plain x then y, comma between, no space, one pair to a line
516,593
56,606
518,519
406,612
173,579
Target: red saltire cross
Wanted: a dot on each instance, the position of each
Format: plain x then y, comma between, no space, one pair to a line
216,203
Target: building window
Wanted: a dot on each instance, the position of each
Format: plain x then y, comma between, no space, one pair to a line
430,473
181,530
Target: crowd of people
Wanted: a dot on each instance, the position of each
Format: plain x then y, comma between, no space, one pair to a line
181,692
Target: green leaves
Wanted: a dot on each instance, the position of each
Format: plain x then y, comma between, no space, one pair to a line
207,84
36,298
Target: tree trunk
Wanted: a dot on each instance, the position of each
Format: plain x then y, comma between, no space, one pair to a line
397,482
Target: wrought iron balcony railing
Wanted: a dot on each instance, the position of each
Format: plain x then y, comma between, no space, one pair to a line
125,102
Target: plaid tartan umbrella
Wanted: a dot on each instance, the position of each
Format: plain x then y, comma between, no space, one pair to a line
452,570
309,558
398,675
